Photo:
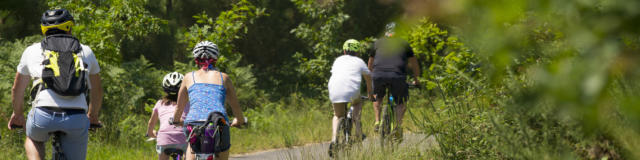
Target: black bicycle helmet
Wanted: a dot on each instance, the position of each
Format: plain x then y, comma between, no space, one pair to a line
56,19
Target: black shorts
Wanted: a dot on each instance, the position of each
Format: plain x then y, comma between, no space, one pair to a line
397,86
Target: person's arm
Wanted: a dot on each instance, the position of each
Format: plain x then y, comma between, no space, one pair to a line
367,79
413,64
152,123
96,94
183,99
233,102
370,64
17,99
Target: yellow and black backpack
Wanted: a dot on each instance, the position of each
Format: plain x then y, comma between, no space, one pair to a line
64,71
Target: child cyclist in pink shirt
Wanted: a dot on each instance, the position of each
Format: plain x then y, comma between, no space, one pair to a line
168,136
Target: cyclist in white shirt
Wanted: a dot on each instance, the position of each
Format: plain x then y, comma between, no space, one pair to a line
52,111
344,86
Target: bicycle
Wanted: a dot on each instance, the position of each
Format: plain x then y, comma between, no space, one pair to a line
57,152
205,156
345,127
388,125
173,153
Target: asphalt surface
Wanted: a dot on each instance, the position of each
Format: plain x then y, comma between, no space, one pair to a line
319,150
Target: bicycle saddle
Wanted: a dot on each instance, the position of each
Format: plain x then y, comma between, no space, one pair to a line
170,151
57,133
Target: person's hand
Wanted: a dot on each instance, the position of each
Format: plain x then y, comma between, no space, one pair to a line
175,123
152,134
16,119
370,96
94,120
238,124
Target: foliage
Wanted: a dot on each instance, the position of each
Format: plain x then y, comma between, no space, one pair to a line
9,59
320,35
554,75
105,25
228,26
443,58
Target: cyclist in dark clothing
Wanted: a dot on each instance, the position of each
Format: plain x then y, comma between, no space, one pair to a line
389,60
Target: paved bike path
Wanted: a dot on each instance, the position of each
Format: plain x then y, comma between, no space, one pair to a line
319,150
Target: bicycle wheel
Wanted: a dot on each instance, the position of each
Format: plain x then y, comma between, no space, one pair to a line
58,154
348,125
385,127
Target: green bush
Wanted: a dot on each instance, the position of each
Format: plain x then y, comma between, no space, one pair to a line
443,58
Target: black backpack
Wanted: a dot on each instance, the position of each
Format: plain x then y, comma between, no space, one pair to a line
211,137
64,71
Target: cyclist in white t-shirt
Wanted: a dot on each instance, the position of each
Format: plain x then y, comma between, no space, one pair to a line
344,85
52,111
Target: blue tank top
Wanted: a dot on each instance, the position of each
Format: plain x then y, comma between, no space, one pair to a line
205,98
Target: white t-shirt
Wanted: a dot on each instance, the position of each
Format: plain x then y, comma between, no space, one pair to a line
346,75
31,65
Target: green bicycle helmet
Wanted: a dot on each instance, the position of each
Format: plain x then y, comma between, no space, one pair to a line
351,45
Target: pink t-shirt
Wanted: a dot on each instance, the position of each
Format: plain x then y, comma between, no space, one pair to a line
169,134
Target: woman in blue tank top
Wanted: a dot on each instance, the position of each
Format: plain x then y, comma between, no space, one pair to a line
206,91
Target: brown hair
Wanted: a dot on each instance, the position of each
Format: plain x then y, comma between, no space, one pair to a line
170,99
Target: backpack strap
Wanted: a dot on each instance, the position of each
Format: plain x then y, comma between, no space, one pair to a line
40,86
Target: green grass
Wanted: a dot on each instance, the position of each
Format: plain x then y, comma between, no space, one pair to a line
275,125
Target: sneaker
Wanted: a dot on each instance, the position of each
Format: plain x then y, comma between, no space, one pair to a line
398,135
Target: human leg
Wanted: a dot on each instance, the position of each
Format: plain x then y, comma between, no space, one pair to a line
338,112
399,111
37,127
35,150
379,91
357,108
400,90
163,156
189,155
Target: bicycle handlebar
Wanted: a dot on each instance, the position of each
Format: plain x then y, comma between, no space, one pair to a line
14,126
95,126
246,122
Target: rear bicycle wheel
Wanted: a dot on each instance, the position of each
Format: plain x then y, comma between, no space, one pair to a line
57,147
348,125
385,127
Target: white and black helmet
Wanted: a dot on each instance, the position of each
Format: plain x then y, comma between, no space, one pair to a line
206,50
171,82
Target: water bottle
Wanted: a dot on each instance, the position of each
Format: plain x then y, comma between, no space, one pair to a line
350,112
208,141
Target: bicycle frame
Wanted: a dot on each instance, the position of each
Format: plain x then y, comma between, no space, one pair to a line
345,127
